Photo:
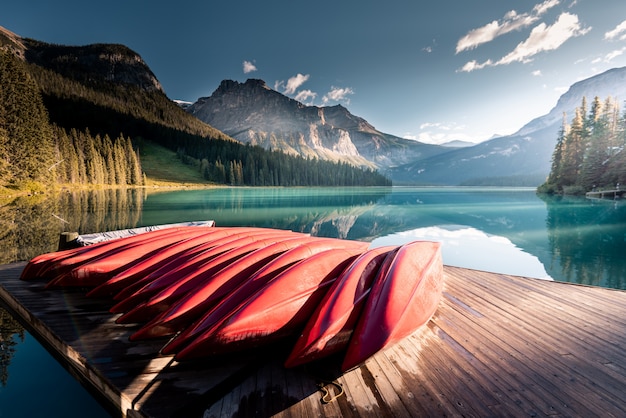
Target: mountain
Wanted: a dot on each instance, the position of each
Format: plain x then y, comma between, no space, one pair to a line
610,83
107,88
253,113
90,63
523,158
90,94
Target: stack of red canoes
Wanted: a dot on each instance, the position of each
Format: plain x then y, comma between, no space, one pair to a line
214,290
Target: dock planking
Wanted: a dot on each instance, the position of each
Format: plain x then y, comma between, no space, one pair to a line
498,345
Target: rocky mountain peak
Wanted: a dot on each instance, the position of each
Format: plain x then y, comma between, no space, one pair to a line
95,63
232,86
609,83
255,114
11,42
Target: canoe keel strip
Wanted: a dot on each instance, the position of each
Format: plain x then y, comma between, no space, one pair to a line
215,290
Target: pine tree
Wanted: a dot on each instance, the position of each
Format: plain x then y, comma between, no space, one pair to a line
573,149
596,151
134,173
119,157
26,142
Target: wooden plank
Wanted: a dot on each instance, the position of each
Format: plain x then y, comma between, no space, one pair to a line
544,356
572,333
498,345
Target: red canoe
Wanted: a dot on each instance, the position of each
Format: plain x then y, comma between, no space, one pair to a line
329,329
171,253
193,272
399,303
187,262
58,268
97,270
40,266
147,286
253,284
212,283
277,310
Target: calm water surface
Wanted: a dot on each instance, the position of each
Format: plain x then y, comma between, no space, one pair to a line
501,230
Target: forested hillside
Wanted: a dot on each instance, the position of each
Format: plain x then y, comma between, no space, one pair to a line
591,151
72,115
37,154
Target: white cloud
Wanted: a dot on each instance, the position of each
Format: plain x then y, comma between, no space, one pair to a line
614,54
337,94
541,38
248,67
430,48
537,73
541,8
294,82
546,38
305,95
439,133
618,33
511,21
474,65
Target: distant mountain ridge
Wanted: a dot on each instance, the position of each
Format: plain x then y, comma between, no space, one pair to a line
609,83
521,159
93,63
94,93
253,113
132,100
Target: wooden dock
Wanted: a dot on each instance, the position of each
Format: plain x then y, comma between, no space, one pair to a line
606,194
498,345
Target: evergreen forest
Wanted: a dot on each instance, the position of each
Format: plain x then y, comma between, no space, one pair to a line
36,154
60,125
590,153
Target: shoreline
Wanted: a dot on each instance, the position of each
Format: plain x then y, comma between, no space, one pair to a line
9,194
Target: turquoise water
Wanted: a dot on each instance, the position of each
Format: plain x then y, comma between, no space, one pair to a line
509,231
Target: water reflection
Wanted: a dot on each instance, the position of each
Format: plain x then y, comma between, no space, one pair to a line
11,334
333,212
573,239
31,225
587,240
461,244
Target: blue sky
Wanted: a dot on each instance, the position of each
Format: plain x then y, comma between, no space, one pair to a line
433,71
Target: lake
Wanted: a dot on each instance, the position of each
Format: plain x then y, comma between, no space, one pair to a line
503,230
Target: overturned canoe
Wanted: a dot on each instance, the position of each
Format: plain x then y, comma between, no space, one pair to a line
220,277
253,284
276,310
329,329
399,303
170,253
223,289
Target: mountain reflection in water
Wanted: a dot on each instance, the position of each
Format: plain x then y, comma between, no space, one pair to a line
511,231
460,246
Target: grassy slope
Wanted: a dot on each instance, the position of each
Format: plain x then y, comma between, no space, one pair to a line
162,167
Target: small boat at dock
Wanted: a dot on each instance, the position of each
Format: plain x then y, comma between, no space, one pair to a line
218,290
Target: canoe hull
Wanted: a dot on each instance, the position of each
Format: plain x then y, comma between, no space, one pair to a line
399,303
329,329
277,310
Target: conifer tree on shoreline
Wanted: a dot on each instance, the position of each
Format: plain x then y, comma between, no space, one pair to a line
590,153
34,151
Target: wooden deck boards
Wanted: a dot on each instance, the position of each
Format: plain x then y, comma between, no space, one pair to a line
498,345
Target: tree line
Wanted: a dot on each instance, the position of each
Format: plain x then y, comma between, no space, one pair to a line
92,104
590,152
35,153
